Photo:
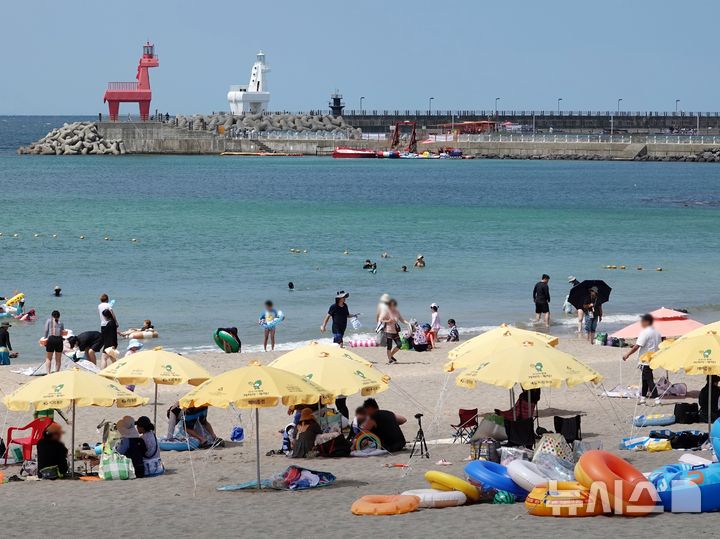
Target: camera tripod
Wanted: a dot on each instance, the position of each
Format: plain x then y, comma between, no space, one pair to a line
419,444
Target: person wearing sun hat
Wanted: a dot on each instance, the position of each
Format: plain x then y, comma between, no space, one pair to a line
339,314
420,261
51,451
305,434
131,444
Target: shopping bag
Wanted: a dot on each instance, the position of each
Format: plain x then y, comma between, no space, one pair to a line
116,466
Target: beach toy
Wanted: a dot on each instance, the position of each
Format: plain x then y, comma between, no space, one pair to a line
226,341
437,499
178,445
141,335
654,420
622,482
43,342
563,499
362,343
503,497
491,475
446,481
688,488
385,505
15,299
366,440
526,474
274,322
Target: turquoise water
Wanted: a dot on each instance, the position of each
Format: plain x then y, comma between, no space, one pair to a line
214,233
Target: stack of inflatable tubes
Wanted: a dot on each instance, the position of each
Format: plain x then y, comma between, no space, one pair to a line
620,487
437,499
448,482
688,488
385,505
362,343
490,475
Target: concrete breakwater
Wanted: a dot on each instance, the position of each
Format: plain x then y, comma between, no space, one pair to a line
78,138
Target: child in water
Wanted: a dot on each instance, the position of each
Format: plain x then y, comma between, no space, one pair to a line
266,317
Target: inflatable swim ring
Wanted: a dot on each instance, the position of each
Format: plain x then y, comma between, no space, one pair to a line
226,341
272,324
141,335
385,505
490,475
687,488
622,482
437,499
653,420
178,445
446,481
43,342
526,474
15,299
562,499
366,440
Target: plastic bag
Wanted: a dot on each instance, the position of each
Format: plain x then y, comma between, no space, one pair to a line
554,444
509,454
581,446
554,467
356,324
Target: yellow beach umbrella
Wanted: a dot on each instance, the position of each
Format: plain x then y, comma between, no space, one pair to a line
158,366
256,386
707,328
694,354
472,352
529,364
335,369
71,388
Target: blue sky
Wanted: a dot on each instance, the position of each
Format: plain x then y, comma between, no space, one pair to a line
57,56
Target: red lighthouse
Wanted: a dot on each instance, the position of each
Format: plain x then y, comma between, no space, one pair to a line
134,92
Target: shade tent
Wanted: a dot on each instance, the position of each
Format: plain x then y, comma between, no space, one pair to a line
256,386
669,323
336,370
71,389
157,366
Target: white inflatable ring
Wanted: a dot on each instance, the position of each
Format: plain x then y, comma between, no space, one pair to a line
526,474
431,498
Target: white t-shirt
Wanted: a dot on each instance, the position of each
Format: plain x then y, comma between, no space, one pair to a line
649,341
435,322
101,308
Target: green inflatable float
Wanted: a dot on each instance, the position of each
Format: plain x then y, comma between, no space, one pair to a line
226,340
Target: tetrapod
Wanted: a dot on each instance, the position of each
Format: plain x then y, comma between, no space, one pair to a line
420,445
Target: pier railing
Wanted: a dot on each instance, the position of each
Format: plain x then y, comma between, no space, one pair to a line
288,135
580,138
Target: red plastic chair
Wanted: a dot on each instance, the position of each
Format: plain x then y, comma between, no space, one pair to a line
38,427
467,425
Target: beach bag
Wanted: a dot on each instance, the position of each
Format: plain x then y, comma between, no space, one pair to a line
554,444
153,467
29,468
601,339
491,426
678,390
50,472
686,412
509,454
337,447
115,466
489,449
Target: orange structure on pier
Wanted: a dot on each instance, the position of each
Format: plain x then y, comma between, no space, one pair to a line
134,92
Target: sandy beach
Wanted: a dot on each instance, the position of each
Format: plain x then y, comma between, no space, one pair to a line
185,503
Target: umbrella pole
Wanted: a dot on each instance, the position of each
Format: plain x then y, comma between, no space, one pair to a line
709,409
512,403
257,445
72,442
155,412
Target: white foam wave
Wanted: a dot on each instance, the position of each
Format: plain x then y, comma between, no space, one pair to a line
609,319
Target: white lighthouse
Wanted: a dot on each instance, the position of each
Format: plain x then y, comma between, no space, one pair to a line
254,97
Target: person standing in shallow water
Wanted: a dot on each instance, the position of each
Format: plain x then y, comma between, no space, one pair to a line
339,314
541,298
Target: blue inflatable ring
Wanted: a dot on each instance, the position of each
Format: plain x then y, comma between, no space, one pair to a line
492,475
178,445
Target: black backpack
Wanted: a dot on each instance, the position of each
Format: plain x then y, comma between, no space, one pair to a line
687,412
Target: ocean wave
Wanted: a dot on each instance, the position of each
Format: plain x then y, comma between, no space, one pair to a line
609,319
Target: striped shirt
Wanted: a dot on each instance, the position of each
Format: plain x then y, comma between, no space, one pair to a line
53,328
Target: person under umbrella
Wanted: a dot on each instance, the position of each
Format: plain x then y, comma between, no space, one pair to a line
590,296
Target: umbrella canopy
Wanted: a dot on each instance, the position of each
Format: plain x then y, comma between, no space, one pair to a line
255,387
71,388
529,364
473,351
668,322
156,366
580,292
336,370
708,328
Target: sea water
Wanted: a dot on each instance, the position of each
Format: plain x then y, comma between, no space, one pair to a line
213,238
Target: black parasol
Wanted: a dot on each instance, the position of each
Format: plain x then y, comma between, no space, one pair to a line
580,292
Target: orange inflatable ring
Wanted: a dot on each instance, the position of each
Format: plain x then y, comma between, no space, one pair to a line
562,499
628,491
385,505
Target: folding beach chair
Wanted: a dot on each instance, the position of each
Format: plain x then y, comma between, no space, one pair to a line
466,426
569,427
520,433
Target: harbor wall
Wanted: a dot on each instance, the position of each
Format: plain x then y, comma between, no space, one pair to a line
160,138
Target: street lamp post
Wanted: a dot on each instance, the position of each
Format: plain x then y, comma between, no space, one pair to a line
677,101
559,100
430,105
496,105
361,100
618,107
